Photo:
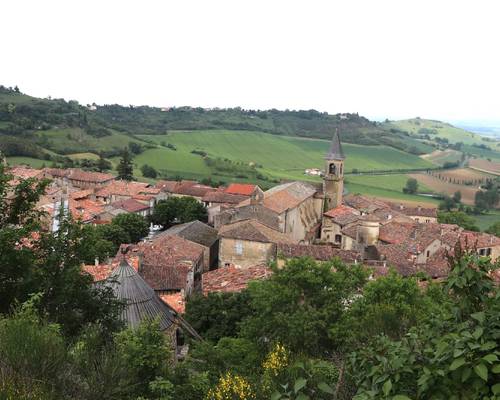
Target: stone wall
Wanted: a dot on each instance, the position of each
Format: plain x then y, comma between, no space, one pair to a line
244,253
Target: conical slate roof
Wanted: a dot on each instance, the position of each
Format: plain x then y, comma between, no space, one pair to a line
335,152
141,301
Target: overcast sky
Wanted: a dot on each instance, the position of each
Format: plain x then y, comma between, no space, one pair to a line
397,59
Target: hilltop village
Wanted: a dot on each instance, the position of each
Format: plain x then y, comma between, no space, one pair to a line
247,229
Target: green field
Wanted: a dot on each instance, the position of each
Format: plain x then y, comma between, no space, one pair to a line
277,156
444,130
75,140
385,186
32,162
484,221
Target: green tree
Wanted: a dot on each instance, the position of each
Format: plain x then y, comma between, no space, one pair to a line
113,233
134,225
103,164
135,148
146,352
411,186
125,168
457,196
300,303
148,171
218,315
494,229
18,219
447,204
459,218
390,306
178,210
452,356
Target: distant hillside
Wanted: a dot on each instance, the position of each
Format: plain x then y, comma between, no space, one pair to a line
52,129
32,121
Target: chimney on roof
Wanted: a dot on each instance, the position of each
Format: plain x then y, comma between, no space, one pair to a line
401,206
96,261
419,208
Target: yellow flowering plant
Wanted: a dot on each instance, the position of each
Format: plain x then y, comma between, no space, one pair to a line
231,387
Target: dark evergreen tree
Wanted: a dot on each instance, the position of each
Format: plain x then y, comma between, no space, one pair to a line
125,168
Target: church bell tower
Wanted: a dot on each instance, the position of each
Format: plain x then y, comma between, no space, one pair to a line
333,181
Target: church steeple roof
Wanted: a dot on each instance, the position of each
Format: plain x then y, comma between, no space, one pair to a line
335,152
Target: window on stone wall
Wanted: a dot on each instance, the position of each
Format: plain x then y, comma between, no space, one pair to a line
338,238
333,169
238,248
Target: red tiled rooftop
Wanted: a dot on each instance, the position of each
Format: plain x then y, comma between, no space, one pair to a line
232,279
175,300
130,205
243,189
223,197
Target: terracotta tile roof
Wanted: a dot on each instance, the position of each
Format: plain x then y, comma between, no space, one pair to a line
79,175
99,272
176,301
81,194
243,189
22,173
286,196
343,215
223,197
363,203
478,239
351,231
130,205
195,231
85,210
232,279
436,265
167,186
415,211
87,176
125,188
318,252
254,231
396,232
398,257
166,261
250,211
194,189
143,197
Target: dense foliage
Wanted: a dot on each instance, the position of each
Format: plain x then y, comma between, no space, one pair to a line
178,210
25,116
459,218
309,331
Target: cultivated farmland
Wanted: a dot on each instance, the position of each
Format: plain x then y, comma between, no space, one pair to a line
485,166
443,187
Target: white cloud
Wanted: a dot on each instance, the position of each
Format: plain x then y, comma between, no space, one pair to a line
393,59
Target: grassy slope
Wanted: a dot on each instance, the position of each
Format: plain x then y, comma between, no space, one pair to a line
445,130
385,186
280,156
33,162
75,140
